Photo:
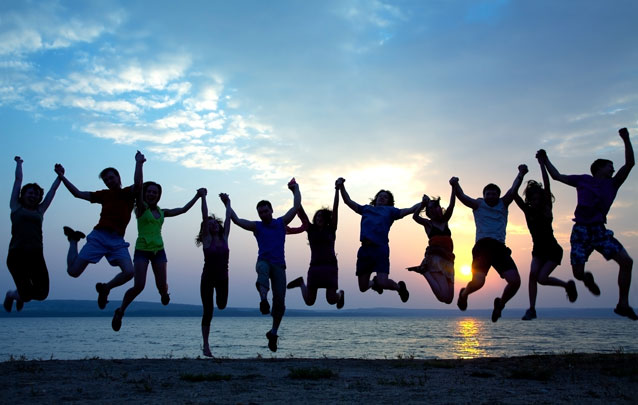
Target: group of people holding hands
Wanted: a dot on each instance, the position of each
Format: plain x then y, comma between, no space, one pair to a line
596,193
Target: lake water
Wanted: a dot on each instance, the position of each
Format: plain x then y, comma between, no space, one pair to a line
312,337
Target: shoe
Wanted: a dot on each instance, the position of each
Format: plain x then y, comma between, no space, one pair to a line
626,311
206,352
73,235
8,302
462,302
272,341
19,305
264,307
416,269
342,297
498,308
529,315
376,287
102,295
572,293
591,284
166,298
116,323
295,283
403,292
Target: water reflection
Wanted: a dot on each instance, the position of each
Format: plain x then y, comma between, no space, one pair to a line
468,334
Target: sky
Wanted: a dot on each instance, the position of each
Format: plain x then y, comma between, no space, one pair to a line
239,97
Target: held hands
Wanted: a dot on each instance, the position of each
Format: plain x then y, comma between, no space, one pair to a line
424,200
339,183
541,155
522,169
139,157
225,198
18,160
58,169
201,192
292,184
454,181
624,133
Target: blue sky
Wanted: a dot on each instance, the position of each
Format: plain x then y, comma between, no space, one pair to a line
240,96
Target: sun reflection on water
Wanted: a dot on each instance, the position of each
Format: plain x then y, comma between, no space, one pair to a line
468,335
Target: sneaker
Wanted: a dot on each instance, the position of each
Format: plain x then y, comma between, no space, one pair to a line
264,307
342,297
572,293
403,292
116,323
19,305
272,341
375,286
73,235
498,308
166,298
102,295
295,283
529,315
462,302
626,311
591,284
8,302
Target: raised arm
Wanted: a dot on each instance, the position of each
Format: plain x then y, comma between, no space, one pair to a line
50,194
17,184
138,185
179,211
84,195
519,201
340,184
418,218
546,182
226,200
518,180
335,209
623,172
305,223
296,203
541,155
466,200
407,211
450,208
240,222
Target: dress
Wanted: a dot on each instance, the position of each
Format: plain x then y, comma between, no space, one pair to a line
323,271
439,256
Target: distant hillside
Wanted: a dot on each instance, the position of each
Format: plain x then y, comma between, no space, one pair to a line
81,308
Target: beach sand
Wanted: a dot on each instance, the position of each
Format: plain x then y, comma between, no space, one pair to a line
567,378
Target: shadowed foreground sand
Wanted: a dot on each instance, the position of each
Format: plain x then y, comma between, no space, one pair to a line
570,378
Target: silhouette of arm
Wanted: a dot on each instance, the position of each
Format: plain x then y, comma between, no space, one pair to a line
83,195
518,180
138,185
519,202
546,182
335,210
50,194
340,184
463,198
418,218
623,172
205,236
551,169
240,222
14,202
407,211
179,211
450,207
290,215
305,222
226,200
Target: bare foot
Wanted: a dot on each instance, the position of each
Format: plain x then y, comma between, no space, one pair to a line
207,352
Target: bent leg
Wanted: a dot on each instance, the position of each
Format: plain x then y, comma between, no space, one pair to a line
626,264
332,296
141,268
441,287
127,272
513,284
159,270
364,282
385,282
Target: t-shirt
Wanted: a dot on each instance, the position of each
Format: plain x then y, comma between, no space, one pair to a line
595,197
26,229
491,222
322,245
376,222
270,240
116,208
149,231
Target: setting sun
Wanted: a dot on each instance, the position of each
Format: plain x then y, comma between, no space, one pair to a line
466,270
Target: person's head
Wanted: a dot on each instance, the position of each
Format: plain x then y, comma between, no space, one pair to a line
602,168
264,210
111,178
152,192
215,227
383,198
535,195
491,194
433,209
31,195
322,218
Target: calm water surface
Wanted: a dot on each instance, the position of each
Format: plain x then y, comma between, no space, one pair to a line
312,337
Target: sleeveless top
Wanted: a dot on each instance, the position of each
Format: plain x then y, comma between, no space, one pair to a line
149,231
26,229
216,258
322,245
435,231
490,221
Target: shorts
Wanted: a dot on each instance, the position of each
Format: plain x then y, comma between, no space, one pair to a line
587,238
323,276
147,256
488,252
373,259
101,243
551,251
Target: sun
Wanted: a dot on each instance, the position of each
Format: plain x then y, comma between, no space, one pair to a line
466,270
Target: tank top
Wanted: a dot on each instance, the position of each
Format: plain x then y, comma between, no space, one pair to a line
149,231
322,245
26,229
216,258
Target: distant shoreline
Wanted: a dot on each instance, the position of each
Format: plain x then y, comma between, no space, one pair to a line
556,379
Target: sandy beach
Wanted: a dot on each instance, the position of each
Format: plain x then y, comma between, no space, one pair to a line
567,378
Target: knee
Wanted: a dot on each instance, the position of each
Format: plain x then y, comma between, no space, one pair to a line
71,272
542,280
278,309
207,318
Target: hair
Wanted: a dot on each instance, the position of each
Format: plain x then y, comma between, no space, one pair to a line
326,214
109,169
435,201
492,187
598,164
533,187
264,202
34,186
374,200
147,184
199,239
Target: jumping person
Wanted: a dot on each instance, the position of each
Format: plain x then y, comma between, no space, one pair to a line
490,217
107,237
25,259
438,263
213,237
546,253
323,271
374,254
271,263
596,193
